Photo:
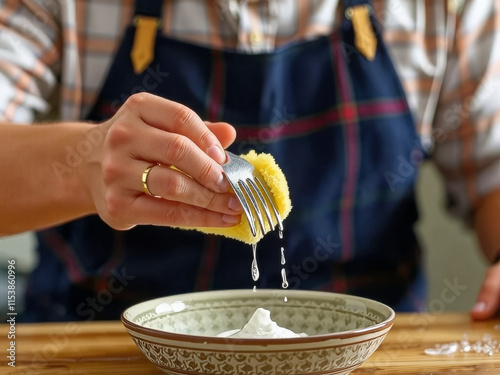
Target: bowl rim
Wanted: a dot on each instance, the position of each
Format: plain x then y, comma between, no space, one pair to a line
181,337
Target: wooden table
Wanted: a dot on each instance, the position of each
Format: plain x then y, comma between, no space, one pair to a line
106,348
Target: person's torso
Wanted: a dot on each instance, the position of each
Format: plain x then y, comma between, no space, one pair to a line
415,33
336,122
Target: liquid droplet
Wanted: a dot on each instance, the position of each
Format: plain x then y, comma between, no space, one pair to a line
280,233
283,277
283,260
254,288
285,299
255,271
255,267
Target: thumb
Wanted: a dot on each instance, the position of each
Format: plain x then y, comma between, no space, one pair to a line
489,295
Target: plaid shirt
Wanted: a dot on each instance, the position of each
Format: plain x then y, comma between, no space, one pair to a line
447,54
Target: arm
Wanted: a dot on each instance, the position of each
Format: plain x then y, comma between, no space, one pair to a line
487,225
55,173
32,195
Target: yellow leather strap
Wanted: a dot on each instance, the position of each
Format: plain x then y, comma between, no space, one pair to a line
364,37
142,53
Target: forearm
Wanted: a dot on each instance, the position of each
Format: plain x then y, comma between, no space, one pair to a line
40,173
487,225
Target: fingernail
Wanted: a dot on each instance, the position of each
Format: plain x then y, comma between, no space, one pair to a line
222,184
479,307
234,204
217,154
231,219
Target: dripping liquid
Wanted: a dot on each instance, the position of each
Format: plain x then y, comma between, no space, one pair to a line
284,283
255,267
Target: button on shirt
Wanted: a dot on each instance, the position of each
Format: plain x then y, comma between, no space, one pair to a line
446,52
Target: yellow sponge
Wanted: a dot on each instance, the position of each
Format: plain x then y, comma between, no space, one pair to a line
276,181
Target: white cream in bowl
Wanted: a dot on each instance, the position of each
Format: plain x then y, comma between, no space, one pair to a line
261,325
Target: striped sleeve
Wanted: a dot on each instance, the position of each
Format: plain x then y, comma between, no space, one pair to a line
467,121
29,57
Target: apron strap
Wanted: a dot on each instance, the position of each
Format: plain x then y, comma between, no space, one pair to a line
147,21
359,13
149,8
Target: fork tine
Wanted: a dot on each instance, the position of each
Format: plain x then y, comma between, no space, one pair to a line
244,204
271,203
251,190
255,206
262,202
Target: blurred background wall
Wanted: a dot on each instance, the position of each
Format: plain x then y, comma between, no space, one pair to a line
451,250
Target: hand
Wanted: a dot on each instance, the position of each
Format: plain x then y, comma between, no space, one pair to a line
149,130
488,300
485,221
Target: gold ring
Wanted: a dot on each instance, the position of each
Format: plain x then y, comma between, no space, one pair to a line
144,180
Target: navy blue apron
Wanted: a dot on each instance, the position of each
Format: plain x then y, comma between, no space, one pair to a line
337,124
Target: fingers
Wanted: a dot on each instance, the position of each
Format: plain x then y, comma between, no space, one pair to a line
150,130
223,131
179,214
173,149
148,210
176,186
489,295
176,118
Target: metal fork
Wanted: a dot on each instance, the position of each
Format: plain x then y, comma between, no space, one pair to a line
252,192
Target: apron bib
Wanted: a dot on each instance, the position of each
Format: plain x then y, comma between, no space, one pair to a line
337,124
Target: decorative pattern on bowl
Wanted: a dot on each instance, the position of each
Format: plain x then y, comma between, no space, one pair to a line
343,331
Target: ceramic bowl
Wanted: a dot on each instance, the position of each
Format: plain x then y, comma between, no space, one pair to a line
178,333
